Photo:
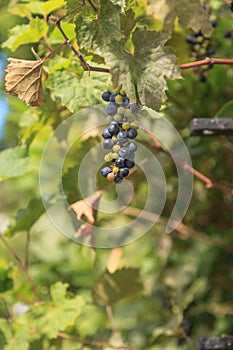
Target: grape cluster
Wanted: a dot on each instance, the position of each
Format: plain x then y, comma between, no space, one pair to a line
122,118
200,45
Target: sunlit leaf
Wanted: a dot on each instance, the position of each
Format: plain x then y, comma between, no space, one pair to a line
25,34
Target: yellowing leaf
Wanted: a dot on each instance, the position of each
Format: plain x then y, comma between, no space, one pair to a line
24,79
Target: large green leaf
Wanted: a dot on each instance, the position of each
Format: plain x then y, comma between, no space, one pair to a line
26,217
144,71
111,287
51,317
95,33
190,13
75,92
14,162
25,34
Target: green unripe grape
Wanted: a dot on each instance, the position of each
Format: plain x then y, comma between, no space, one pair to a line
115,169
122,92
125,126
108,157
120,110
114,138
108,119
199,39
134,124
117,117
119,99
128,113
116,148
196,47
114,155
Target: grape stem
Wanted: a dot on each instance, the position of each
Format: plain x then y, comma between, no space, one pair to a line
206,61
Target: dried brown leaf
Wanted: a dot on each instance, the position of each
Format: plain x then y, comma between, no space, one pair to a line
24,79
86,207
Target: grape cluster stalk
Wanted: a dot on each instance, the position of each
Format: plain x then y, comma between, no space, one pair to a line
123,120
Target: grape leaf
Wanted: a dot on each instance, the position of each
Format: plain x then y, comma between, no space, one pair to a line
13,162
112,287
75,92
26,33
24,78
51,317
190,13
26,217
143,71
95,33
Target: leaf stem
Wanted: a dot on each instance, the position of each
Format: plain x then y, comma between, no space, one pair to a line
22,265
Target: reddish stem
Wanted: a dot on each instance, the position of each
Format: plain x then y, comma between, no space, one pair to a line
206,61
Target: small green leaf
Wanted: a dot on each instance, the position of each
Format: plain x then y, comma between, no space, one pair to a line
93,34
55,37
58,291
52,5
19,341
75,92
25,34
110,288
13,162
26,217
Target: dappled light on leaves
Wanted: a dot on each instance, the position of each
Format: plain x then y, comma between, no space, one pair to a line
24,78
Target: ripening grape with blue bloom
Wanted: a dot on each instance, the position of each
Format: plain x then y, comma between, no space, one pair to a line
122,118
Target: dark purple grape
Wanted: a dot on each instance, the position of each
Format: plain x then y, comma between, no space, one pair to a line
118,179
106,96
106,134
227,34
135,108
108,143
132,146
132,133
125,101
124,152
191,40
123,172
105,171
112,97
111,109
120,162
129,163
113,128
122,135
